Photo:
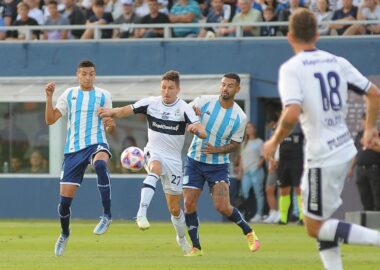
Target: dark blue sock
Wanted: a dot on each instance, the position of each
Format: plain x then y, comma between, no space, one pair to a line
104,185
322,245
64,214
239,220
342,232
192,223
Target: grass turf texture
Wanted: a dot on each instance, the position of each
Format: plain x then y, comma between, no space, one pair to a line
29,245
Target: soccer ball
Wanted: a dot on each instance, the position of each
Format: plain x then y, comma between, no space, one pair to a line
132,158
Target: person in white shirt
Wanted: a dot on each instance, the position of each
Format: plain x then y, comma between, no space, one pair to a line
313,87
168,118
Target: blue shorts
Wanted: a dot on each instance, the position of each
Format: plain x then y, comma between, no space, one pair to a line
75,164
197,173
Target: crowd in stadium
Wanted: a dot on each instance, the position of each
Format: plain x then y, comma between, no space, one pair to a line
126,13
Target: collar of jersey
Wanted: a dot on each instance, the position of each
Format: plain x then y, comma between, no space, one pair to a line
170,105
311,50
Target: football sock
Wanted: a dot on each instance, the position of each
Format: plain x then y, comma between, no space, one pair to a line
335,230
239,220
104,185
330,255
299,203
295,205
147,192
64,214
192,223
179,224
284,203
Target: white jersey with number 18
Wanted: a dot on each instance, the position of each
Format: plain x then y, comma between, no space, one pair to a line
319,82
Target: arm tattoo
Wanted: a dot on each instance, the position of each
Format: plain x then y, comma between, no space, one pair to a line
229,148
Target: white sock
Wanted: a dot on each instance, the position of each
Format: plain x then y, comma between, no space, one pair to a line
147,192
348,233
331,258
179,224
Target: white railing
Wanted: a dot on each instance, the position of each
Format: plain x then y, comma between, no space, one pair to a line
167,28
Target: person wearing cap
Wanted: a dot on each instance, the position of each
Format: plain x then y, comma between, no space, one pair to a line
128,17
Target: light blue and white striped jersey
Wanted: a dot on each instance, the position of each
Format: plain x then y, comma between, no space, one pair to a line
222,126
84,126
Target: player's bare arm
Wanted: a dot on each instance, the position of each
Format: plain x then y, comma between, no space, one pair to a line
118,112
198,130
371,133
224,149
287,122
51,114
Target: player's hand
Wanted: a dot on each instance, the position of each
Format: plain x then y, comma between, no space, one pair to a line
108,122
104,112
209,149
269,149
273,165
195,129
49,89
197,111
370,138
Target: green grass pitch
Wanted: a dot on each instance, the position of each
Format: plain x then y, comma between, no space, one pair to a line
29,245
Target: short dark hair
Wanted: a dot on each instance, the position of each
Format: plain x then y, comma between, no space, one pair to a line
86,63
303,25
232,76
52,2
99,3
171,75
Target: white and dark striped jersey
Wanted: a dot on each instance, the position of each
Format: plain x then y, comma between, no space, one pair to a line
319,82
222,126
166,124
84,126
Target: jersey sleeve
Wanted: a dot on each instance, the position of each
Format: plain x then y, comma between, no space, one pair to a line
141,106
355,80
289,86
190,116
62,103
238,136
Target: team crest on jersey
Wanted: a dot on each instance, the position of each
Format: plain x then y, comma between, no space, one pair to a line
231,122
177,112
97,99
165,115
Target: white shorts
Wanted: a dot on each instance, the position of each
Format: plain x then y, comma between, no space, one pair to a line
321,190
171,171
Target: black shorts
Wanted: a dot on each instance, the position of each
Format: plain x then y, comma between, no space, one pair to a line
290,173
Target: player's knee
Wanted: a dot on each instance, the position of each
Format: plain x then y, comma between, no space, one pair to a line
312,231
174,210
100,166
64,206
190,205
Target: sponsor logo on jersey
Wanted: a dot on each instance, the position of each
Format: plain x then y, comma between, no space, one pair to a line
162,126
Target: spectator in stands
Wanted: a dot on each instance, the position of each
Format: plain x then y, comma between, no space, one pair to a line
36,163
154,17
284,14
246,15
3,33
218,13
313,5
367,164
10,12
100,17
347,13
76,16
16,164
233,5
55,18
13,140
275,5
34,11
323,14
185,11
269,16
369,10
22,11
251,164
115,7
128,17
